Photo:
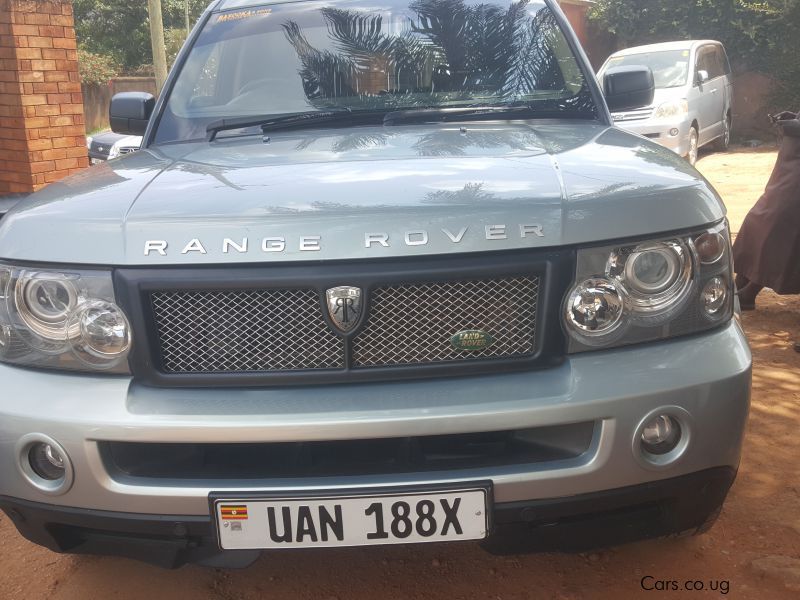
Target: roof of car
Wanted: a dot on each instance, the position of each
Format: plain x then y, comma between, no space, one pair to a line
679,45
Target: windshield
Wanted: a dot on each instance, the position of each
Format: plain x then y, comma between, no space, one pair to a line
304,56
670,67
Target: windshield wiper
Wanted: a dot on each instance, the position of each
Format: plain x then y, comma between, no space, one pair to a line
412,115
288,121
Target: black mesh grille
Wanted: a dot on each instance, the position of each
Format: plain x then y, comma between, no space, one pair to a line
284,330
244,331
413,324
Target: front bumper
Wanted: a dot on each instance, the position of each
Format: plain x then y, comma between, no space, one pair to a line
661,132
707,376
685,504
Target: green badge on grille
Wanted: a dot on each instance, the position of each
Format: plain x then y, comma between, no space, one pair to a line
471,340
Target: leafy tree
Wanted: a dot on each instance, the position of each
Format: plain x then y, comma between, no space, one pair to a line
119,28
96,68
173,40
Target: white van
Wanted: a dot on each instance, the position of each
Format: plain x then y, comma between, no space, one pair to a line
694,93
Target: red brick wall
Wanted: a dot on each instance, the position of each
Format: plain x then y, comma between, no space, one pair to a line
597,44
41,106
576,14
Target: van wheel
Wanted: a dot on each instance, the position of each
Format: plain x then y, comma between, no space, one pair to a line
694,146
723,142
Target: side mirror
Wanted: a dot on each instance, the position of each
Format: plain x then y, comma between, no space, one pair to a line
702,77
129,112
626,88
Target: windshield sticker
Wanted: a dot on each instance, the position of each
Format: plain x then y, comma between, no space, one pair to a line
243,14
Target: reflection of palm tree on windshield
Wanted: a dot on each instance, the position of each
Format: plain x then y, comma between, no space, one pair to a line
446,53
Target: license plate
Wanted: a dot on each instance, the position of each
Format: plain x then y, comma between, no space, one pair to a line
319,522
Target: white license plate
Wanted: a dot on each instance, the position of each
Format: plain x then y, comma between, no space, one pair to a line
320,522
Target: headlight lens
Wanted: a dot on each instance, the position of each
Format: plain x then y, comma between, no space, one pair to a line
672,109
44,302
652,270
103,332
62,319
656,277
715,293
710,247
650,290
595,307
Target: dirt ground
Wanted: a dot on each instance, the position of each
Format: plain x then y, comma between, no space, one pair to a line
761,517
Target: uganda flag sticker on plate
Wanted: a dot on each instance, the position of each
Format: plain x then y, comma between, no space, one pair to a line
233,512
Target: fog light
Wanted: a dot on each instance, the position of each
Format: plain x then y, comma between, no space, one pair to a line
660,435
46,461
44,464
674,131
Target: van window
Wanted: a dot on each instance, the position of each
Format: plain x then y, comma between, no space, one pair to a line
722,57
708,60
670,67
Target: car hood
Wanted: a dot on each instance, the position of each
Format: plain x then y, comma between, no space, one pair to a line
365,192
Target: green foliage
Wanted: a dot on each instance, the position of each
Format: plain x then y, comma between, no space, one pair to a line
96,68
173,40
120,28
759,35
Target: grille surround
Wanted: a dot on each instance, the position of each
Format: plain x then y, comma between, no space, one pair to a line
134,286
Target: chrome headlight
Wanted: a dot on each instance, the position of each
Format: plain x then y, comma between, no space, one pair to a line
656,277
64,319
672,110
650,290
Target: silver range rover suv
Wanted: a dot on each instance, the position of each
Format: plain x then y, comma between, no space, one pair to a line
379,274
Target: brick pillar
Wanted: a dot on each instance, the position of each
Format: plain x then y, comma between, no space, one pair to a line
42,135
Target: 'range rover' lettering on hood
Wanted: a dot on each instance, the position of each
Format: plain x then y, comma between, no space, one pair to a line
314,243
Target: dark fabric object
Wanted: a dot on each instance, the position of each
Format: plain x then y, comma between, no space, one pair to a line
789,124
767,249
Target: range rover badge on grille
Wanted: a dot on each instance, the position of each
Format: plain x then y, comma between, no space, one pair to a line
344,306
471,340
